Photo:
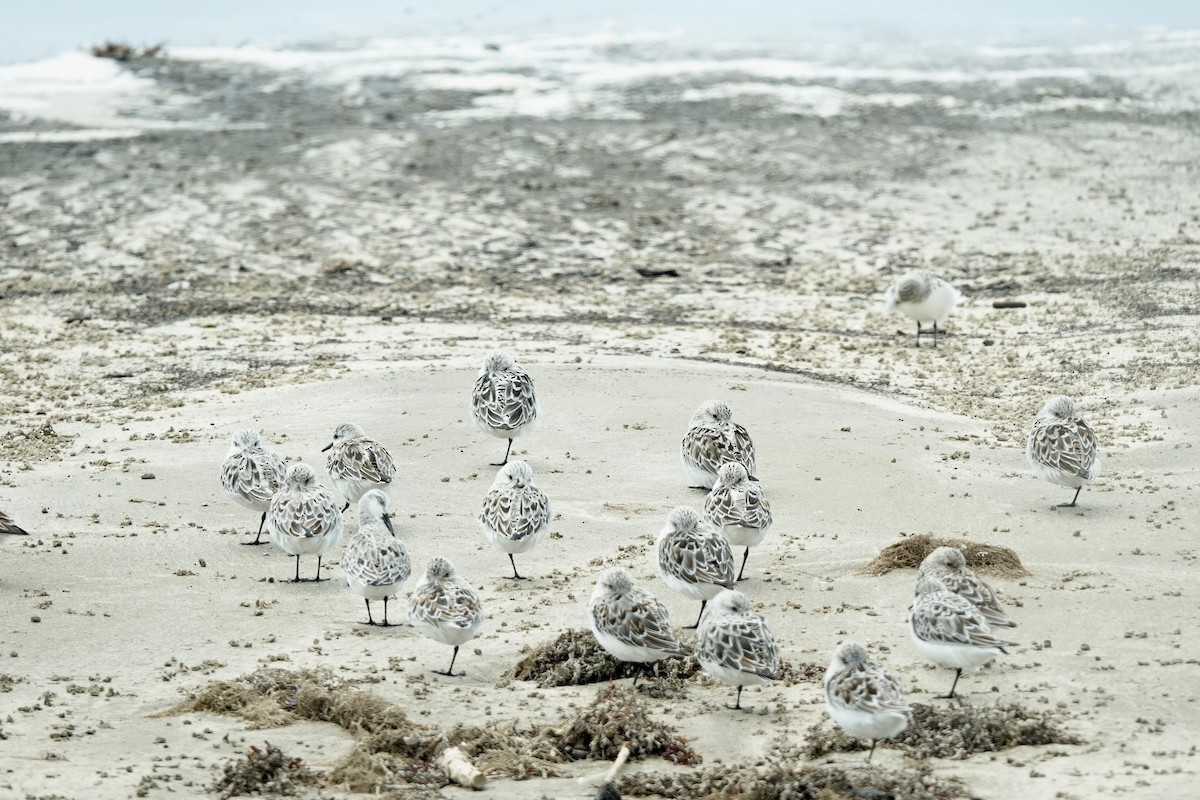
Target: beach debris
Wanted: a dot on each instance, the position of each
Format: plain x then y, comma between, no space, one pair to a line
954,731
909,552
263,771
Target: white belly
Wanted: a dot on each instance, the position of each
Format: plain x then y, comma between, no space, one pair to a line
866,724
954,656
696,591
734,677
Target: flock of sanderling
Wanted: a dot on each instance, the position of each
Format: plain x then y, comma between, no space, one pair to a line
952,620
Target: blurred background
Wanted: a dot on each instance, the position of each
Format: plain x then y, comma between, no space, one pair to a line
40,30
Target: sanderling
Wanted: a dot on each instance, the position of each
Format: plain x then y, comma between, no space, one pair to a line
862,697
357,464
1062,447
949,565
503,402
924,297
445,608
10,528
734,644
516,514
950,631
713,438
739,507
629,622
251,474
304,518
694,558
376,563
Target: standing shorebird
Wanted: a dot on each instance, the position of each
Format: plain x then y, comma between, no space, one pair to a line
251,474
630,623
694,558
738,507
304,518
1062,447
502,401
863,698
376,563
949,631
713,439
923,297
734,645
949,565
445,608
357,464
515,514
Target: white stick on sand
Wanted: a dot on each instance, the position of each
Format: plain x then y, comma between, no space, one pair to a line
611,774
460,770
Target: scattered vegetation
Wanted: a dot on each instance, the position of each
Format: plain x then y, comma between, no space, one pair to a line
266,771
393,751
909,552
576,659
954,731
783,776
119,51
618,717
36,444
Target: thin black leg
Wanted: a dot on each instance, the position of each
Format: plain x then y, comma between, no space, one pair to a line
297,578
516,576
873,741
637,675
935,334
737,705
450,672
953,686
385,622
918,334
743,569
345,506
1073,499
258,538
369,620
507,450
317,579
703,603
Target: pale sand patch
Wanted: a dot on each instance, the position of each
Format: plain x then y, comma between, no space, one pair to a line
118,608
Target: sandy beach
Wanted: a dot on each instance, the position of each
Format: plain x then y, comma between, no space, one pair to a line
220,243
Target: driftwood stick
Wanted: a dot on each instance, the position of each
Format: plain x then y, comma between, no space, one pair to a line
460,770
611,774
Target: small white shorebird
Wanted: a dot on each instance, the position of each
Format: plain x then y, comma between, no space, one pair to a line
694,558
304,518
630,623
515,514
738,507
949,565
1062,447
949,631
357,464
713,439
376,563
445,608
734,645
503,402
923,297
251,474
862,697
